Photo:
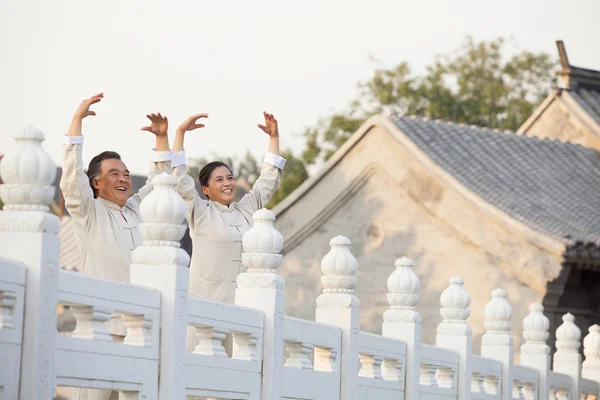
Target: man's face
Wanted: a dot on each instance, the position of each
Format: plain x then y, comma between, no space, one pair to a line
114,182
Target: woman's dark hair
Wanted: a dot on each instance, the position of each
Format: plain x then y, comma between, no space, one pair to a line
94,167
207,170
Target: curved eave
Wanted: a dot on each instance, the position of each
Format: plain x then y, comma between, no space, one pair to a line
538,239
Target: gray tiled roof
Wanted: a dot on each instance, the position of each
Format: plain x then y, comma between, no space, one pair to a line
589,100
553,187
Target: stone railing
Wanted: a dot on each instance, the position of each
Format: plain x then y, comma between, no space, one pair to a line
174,345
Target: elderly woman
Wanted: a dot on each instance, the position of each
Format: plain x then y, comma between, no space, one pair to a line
217,224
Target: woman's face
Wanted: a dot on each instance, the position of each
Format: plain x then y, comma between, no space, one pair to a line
221,186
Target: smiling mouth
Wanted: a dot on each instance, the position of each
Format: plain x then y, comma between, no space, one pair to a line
121,189
228,191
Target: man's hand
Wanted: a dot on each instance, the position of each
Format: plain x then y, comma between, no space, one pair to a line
270,126
160,125
191,123
84,108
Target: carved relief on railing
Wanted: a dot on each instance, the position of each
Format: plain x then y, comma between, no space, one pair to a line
310,345
524,390
382,359
244,346
90,323
299,355
209,341
139,329
8,300
325,359
559,386
438,371
486,376
103,310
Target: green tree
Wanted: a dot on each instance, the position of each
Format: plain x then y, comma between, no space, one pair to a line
295,173
473,85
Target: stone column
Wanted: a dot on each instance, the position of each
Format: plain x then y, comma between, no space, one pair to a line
161,264
497,343
567,359
591,350
454,332
338,306
261,288
28,234
402,321
535,352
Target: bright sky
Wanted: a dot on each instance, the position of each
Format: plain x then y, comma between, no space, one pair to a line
232,59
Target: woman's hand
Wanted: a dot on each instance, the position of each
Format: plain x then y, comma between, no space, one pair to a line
270,126
191,123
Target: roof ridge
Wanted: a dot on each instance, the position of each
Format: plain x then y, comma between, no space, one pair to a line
489,130
548,184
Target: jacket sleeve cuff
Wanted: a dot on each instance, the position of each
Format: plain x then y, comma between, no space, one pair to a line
161,156
72,139
275,160
179,159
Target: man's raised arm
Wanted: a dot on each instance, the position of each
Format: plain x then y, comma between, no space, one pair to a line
74,183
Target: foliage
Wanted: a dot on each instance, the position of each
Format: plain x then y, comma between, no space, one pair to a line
473,85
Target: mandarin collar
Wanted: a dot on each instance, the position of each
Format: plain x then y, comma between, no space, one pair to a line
109,204
222,207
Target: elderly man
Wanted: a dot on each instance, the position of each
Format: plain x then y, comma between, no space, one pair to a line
105,217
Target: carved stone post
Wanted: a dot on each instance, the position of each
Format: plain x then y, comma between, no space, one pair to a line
160,263
535,352
339,306
261,288
28,233
591,350
497,343
402,321
567,359
454,332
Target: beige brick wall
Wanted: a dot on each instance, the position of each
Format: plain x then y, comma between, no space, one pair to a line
401,210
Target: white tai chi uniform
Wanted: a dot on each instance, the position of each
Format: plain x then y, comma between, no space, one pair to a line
216,230
105,233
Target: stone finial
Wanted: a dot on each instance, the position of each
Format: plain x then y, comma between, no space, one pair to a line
568,335
339,267
591,344
262,245
498,313
404,286
163,212
455,301
536,325
28,174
